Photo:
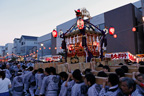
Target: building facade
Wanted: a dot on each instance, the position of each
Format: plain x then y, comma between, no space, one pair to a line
17,46
8,50
48,46
27,43
2,51
123,19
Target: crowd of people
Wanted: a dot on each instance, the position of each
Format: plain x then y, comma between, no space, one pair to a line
21,79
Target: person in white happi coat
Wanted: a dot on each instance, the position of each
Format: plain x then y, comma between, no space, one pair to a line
51,83
30,69
128,87
76,89
66,84
43,86
7,72
31,83
94,88
18,84
113,90
39,77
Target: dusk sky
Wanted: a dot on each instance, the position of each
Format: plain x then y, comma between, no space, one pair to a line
40,17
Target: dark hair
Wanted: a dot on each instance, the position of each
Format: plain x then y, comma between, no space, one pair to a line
3,66
53,70
141,63
30,68
90,78
106,67
130,82
34,72
20,71
87,71
40,70
141,70
125,68
141,75
77,75
120,72
113,79
100,65
102,74
63,75
2,74
23,66
120,63
47,70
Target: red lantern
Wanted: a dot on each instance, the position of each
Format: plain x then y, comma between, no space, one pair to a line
55,48
115,36
111,30
133,29
49,48
80,23
54,33
44,47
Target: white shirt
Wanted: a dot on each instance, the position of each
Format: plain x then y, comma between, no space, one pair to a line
92,91
4,85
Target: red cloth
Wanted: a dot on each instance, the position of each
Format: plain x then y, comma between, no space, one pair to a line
142,85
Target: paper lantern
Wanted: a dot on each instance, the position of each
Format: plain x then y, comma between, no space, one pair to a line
115,36
54,33
111,30
80,23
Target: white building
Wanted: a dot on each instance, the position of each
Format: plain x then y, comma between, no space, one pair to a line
8,50
27,43
16,47
2,51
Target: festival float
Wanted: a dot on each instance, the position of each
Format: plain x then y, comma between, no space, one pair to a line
83,41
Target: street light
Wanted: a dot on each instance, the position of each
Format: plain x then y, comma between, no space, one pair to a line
42,44
42,49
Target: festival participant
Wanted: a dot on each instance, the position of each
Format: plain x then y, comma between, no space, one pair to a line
128,87
31,83
43,86
125,68
26,89
94,88
5,84
68,84
120,73
113,89
39,77
7,72
51,83
106,68
17,84
76,89
102,74
141,70
140,82
63,91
